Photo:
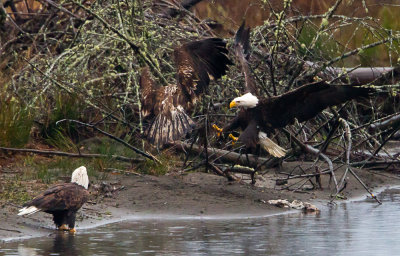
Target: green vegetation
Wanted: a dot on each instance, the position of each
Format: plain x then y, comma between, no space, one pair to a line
88,69
62,135
14,191
15,122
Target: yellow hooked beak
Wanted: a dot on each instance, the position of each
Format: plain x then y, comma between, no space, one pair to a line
232,104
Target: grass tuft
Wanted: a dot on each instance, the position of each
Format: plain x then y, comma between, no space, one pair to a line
15,122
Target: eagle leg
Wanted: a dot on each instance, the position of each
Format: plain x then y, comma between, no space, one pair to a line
233,138
219,130
71,221
63,227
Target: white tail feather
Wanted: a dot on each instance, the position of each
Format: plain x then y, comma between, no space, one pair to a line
28,210
270,146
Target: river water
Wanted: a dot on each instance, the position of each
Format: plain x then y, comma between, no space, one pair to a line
356,228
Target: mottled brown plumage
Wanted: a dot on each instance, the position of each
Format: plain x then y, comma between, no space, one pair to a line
62,201
166,107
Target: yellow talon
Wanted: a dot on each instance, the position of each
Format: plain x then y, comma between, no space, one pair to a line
72,230
63,227
233,138
219,130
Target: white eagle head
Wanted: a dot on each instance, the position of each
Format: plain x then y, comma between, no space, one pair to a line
80,177
247,101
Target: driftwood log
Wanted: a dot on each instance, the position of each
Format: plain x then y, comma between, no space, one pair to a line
228,156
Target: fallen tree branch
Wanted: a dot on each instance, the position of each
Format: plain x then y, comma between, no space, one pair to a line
359,75
365,186
226,155
243,170
112,137
220,172
76,155
329,63
314,151
374,163
382,124
306,175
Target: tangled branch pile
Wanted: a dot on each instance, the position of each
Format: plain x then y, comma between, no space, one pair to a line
82,60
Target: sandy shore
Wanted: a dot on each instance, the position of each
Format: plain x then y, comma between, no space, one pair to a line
193,195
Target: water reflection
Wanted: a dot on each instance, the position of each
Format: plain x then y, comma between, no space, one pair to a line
61,243
357,228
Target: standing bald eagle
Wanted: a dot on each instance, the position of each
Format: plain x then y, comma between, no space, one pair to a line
62,200
259,116
167,107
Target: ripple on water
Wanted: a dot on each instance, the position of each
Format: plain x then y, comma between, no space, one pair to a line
355,228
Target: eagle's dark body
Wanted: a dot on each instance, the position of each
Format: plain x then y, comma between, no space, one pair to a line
276,112
166,108
62,201
302,104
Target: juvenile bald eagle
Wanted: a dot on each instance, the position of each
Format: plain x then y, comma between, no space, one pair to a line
62,200
167,107
259,116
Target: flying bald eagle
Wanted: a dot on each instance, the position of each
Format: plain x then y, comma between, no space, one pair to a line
62,200
167,107
259,116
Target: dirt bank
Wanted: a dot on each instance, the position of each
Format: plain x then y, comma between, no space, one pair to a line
193,194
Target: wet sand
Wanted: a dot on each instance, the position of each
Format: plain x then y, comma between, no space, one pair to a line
193,195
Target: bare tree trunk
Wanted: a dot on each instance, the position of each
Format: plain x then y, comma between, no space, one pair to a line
361,75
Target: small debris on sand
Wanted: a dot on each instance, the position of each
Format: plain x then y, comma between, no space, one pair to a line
295,204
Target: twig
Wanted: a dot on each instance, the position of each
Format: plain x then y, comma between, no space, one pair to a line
63,9
362,183
147,59
217,170
374,163
112,137
307,175
11,230
314,151
80,155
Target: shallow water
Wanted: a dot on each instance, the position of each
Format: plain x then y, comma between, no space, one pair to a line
359,228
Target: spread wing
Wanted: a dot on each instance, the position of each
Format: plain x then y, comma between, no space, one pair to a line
167,107
307,101
67,196
242,47
198,62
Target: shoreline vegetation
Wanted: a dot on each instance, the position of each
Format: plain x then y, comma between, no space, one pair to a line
70,96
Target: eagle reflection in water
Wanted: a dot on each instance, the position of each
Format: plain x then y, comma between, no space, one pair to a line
63,244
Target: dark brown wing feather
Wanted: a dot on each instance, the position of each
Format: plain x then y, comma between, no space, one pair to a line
306,102
148,92
168,105
197,60
242,47
67,196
